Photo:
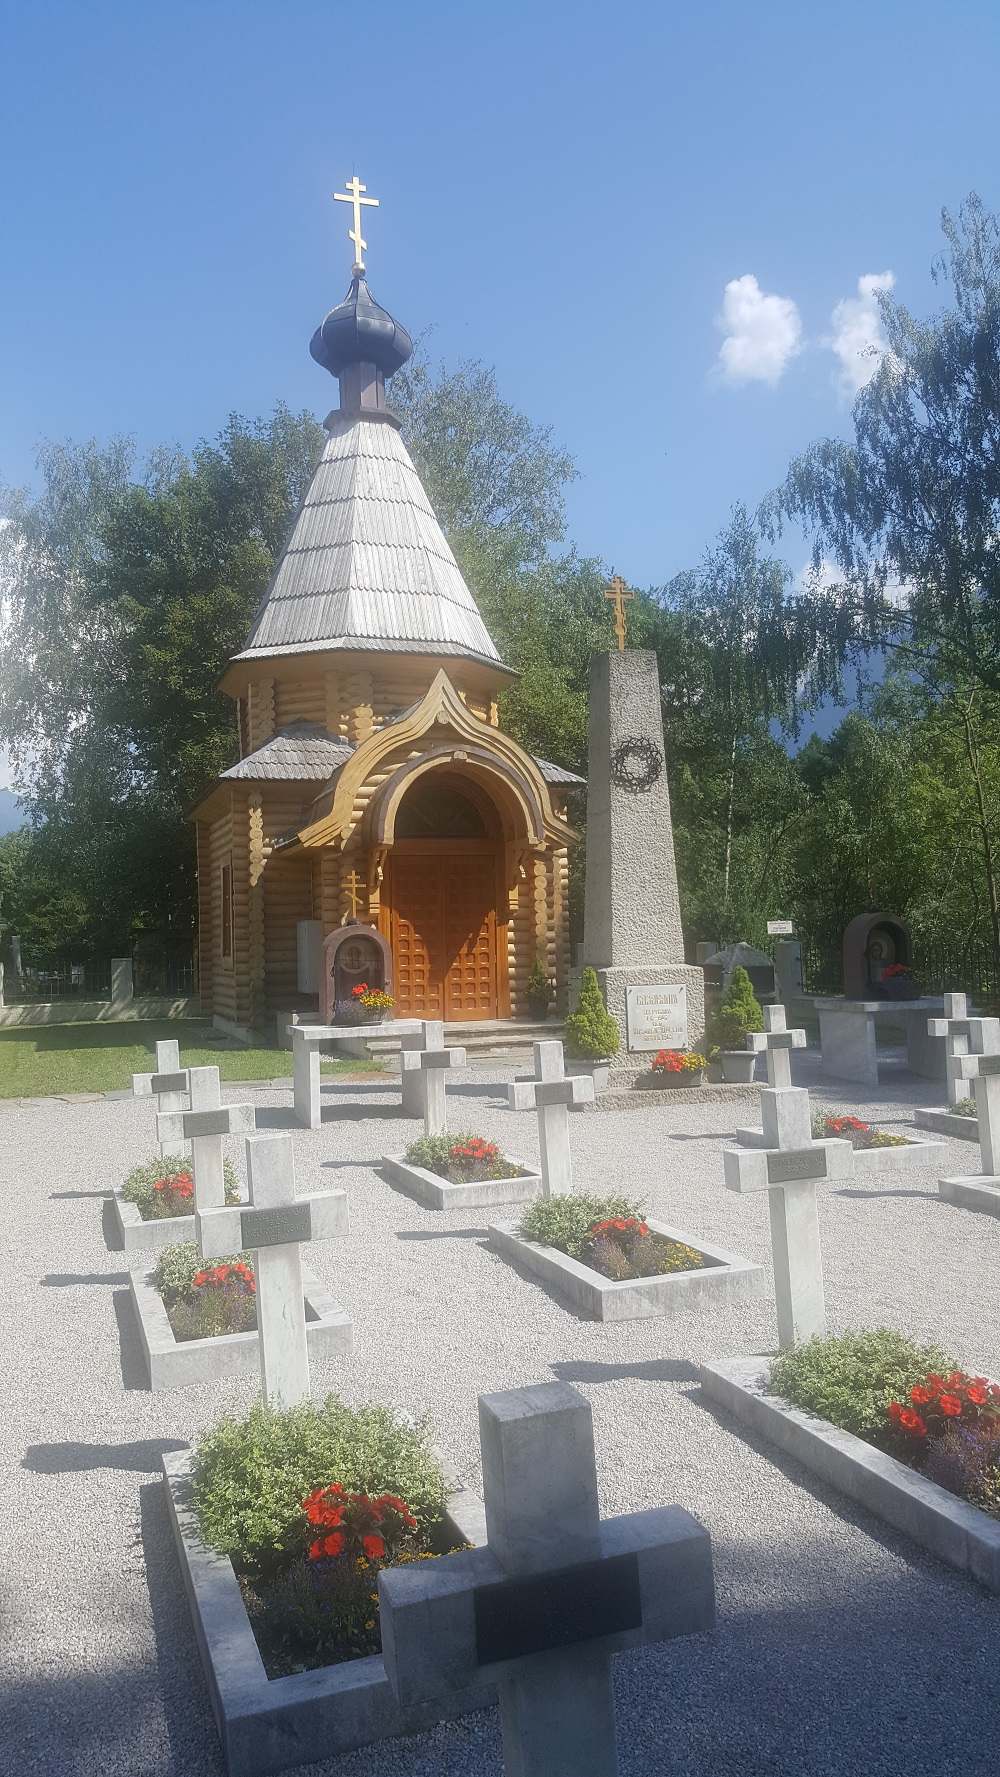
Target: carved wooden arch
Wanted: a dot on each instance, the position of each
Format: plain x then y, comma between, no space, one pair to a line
519,808
441,706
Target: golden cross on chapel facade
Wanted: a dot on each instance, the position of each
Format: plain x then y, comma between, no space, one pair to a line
353,196
619,595
354,886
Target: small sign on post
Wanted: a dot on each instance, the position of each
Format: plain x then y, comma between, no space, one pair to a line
780,928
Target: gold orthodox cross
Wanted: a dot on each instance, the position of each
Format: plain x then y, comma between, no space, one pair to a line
353,196
354,886
619,595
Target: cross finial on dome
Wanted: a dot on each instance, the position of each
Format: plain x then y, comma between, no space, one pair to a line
353,196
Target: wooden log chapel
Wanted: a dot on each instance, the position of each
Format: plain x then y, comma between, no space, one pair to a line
374,781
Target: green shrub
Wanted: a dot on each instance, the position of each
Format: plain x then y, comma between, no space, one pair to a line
565,1221
851,1379
140,1186
966,1107
462,1159
178,1265
591,1031
737,1013
251,1475
539,990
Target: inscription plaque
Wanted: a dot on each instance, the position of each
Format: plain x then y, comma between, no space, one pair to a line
548,1610
278,1226
657,1017
988,1064
800,1163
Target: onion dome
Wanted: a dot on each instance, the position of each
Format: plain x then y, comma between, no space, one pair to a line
358,331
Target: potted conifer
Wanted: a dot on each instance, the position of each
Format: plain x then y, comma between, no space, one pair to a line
539,990
737,1013
592,1035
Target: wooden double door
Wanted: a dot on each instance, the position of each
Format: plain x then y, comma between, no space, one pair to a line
440,901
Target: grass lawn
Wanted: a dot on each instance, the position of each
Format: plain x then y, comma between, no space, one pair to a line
48,1059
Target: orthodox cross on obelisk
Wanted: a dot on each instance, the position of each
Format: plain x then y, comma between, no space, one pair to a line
619,595
353,196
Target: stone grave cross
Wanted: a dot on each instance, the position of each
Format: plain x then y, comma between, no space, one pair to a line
169,1085
552,1596
273,1226
776,1043
790,1175
552,1095
984,1072
964,1034
429,1036
205,1125
433,1064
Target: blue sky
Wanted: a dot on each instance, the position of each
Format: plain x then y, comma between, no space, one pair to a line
566,191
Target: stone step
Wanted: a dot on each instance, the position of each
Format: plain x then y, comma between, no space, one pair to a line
484,1036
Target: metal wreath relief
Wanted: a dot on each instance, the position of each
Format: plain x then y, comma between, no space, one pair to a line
636,764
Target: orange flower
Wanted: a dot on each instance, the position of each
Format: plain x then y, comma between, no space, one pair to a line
374,1547
950,1404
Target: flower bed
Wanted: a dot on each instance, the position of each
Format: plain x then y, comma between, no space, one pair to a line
162,1188
898,1425
206,1301
677,1067
607,1233
445,1171
309,1505
876,1150
612,1263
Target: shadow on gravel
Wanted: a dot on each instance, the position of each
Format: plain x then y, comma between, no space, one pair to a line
71,1459
114,1240
56,1196
62,1280
856,1191
654,1369
274,1117
442,1234
131,1356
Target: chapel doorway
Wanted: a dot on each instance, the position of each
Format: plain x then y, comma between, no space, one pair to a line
442,890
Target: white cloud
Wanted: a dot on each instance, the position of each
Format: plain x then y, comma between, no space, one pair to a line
858,338
812,579
763,333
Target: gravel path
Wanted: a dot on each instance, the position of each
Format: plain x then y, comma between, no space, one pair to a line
840,1647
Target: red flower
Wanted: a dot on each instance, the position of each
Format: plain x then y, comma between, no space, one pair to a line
198,1279
912,1421
356,992
950,1404
895,1411
977,1394
374,1547
920,1396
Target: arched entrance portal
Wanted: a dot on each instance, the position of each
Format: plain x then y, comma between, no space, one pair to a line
444,901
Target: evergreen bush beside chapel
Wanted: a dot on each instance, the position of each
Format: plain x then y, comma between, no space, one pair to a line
737,1013
591,1032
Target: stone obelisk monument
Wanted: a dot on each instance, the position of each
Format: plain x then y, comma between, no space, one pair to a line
632,925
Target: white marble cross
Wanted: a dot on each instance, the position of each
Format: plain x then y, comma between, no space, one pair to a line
432,1065
411,1044
964,1034
554,1594
204,1125
790,1176
776,1043
552,1095
273,1226
169,1085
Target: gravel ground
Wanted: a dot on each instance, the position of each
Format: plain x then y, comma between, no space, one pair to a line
840,1647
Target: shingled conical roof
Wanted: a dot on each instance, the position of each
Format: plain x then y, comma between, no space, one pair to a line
367,565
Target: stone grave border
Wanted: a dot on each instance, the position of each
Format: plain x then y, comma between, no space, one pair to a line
948,1527
918,1151
435,1192
138,1236
728,1275
945,1122
967,1191
268,1724
181,1364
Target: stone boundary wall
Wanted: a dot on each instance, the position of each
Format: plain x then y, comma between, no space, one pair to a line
37,1013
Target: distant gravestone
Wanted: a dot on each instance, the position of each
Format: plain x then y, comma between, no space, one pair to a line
554,1594
964,1034
553,1096
205,1125
411,1043
170,1085
274,1226
776,1042
432,1066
